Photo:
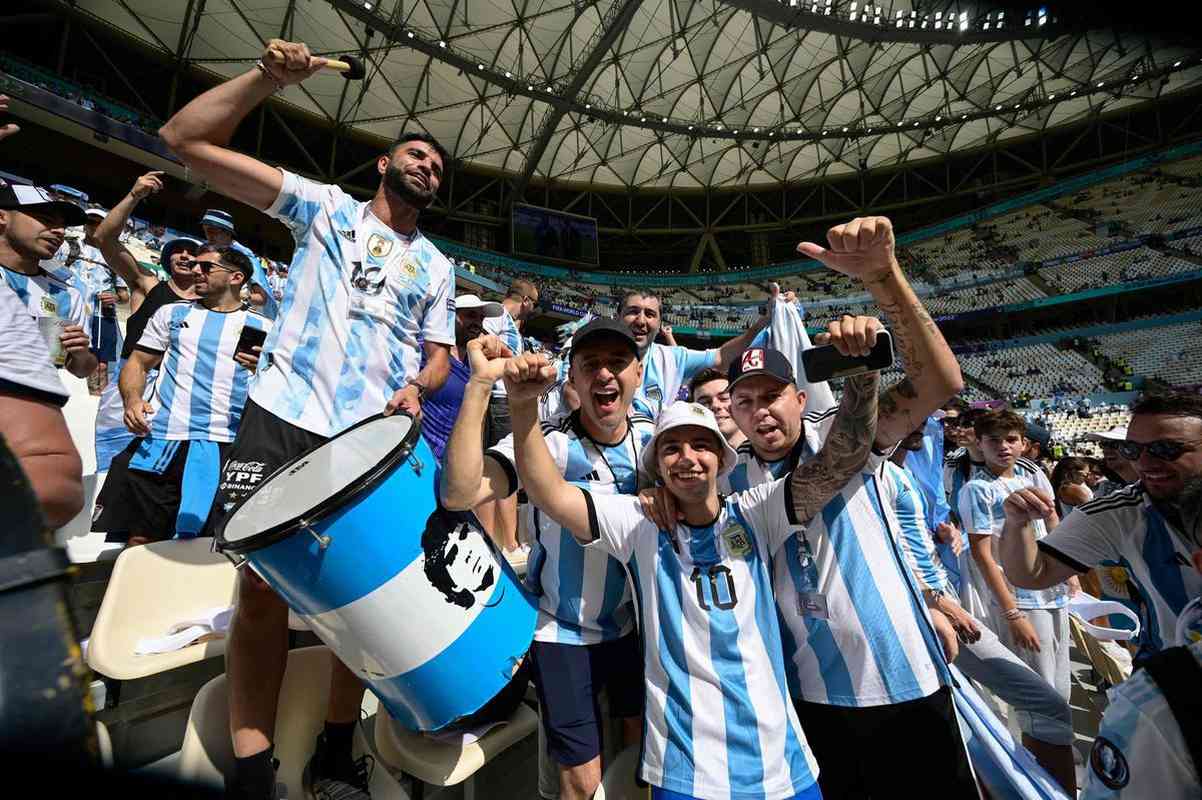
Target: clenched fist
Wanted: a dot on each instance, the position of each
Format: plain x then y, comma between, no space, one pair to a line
288,63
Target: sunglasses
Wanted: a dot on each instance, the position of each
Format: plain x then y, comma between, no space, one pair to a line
1162,449
954,422
208,266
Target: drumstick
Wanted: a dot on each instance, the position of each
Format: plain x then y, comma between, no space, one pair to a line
350,67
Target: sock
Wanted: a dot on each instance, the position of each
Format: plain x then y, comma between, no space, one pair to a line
254,776
340,739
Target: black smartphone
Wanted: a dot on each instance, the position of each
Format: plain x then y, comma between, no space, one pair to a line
249,339
825,362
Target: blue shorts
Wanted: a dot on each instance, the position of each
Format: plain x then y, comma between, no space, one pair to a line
812,793
569,677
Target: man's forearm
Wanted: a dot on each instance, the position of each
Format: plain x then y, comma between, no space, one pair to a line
438,367
845,451
213,117
463,462
540,476
932,373
1021,557
994,579
131,383
119,259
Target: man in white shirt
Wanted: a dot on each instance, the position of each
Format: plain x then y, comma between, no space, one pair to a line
367,294
1141,527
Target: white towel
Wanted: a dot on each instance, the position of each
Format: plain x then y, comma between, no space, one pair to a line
1086,607
212,623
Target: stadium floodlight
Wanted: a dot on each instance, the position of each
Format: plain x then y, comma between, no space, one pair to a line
1018,105
963,20
588,106
442,44
642,119
868,131
690,127
367,6
1176,63
1073,93
665,120
529,88
963,116
479,66
997,108
1101,84
755,130
508,74
1052,96
410,34
824,133
938,118
845,130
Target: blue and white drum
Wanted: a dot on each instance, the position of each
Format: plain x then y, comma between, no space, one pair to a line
412,598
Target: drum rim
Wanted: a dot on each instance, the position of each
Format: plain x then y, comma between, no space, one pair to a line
329,505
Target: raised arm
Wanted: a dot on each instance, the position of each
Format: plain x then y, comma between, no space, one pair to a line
116,255
200,132
468,478
845,451
526,377
864,249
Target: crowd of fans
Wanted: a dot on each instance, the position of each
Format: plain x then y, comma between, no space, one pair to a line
854,564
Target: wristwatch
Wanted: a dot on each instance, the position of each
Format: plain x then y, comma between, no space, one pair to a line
422,391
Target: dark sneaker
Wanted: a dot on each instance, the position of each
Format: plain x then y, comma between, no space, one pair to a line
347,780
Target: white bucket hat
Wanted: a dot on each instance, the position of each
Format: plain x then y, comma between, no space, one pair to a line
491,307
1113,435
677,415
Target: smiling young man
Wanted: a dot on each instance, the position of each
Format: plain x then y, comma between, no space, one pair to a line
666,368
584,640
719,723
1033,624
367,296
32,227
1141,527
193,411
709,388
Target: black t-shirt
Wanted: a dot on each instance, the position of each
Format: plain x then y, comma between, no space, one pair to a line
156,298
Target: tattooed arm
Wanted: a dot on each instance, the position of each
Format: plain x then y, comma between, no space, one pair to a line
843,454
864,249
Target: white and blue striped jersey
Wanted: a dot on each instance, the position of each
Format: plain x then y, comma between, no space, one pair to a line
982,513
359,300
907,507
1127,528
665,370
856,631
1140,752
505,328
718,721
200,391
583,596
47,295
25,368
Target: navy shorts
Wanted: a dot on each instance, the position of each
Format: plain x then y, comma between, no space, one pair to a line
569,678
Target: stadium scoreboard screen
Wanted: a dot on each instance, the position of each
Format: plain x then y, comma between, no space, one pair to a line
538,231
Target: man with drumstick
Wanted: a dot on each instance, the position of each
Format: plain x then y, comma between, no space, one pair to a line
367,293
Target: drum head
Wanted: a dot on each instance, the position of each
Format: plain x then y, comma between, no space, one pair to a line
318,482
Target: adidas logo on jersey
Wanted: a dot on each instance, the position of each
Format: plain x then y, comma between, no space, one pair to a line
348,235
183,323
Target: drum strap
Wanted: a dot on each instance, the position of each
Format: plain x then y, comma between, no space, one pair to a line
1177,674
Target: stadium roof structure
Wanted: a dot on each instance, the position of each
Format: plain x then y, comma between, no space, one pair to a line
647,94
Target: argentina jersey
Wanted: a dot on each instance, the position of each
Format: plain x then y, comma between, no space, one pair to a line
358,301
506,329
904,505
46,295
665,370
718,721
982,513
201,390
854,628
583,597
1127,528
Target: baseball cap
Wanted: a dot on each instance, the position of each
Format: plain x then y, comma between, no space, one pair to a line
602,328
23,197
1038,433
759,361
678,415
466,301
217,218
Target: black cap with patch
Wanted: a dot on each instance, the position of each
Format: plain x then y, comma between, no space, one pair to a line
22,197
759,361
604,328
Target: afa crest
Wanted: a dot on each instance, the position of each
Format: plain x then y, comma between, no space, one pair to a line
379,246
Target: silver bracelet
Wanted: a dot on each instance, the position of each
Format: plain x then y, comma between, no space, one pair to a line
261,67
1013,614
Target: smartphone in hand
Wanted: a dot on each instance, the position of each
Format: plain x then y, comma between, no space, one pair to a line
825,362
249,339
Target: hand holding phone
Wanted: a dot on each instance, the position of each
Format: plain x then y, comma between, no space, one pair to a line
249,339
826,362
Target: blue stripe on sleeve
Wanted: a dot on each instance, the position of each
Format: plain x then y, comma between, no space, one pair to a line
678,711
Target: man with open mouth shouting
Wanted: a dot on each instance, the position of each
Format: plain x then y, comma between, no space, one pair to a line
584,640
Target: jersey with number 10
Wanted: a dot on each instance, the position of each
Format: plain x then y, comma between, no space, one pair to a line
719,723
